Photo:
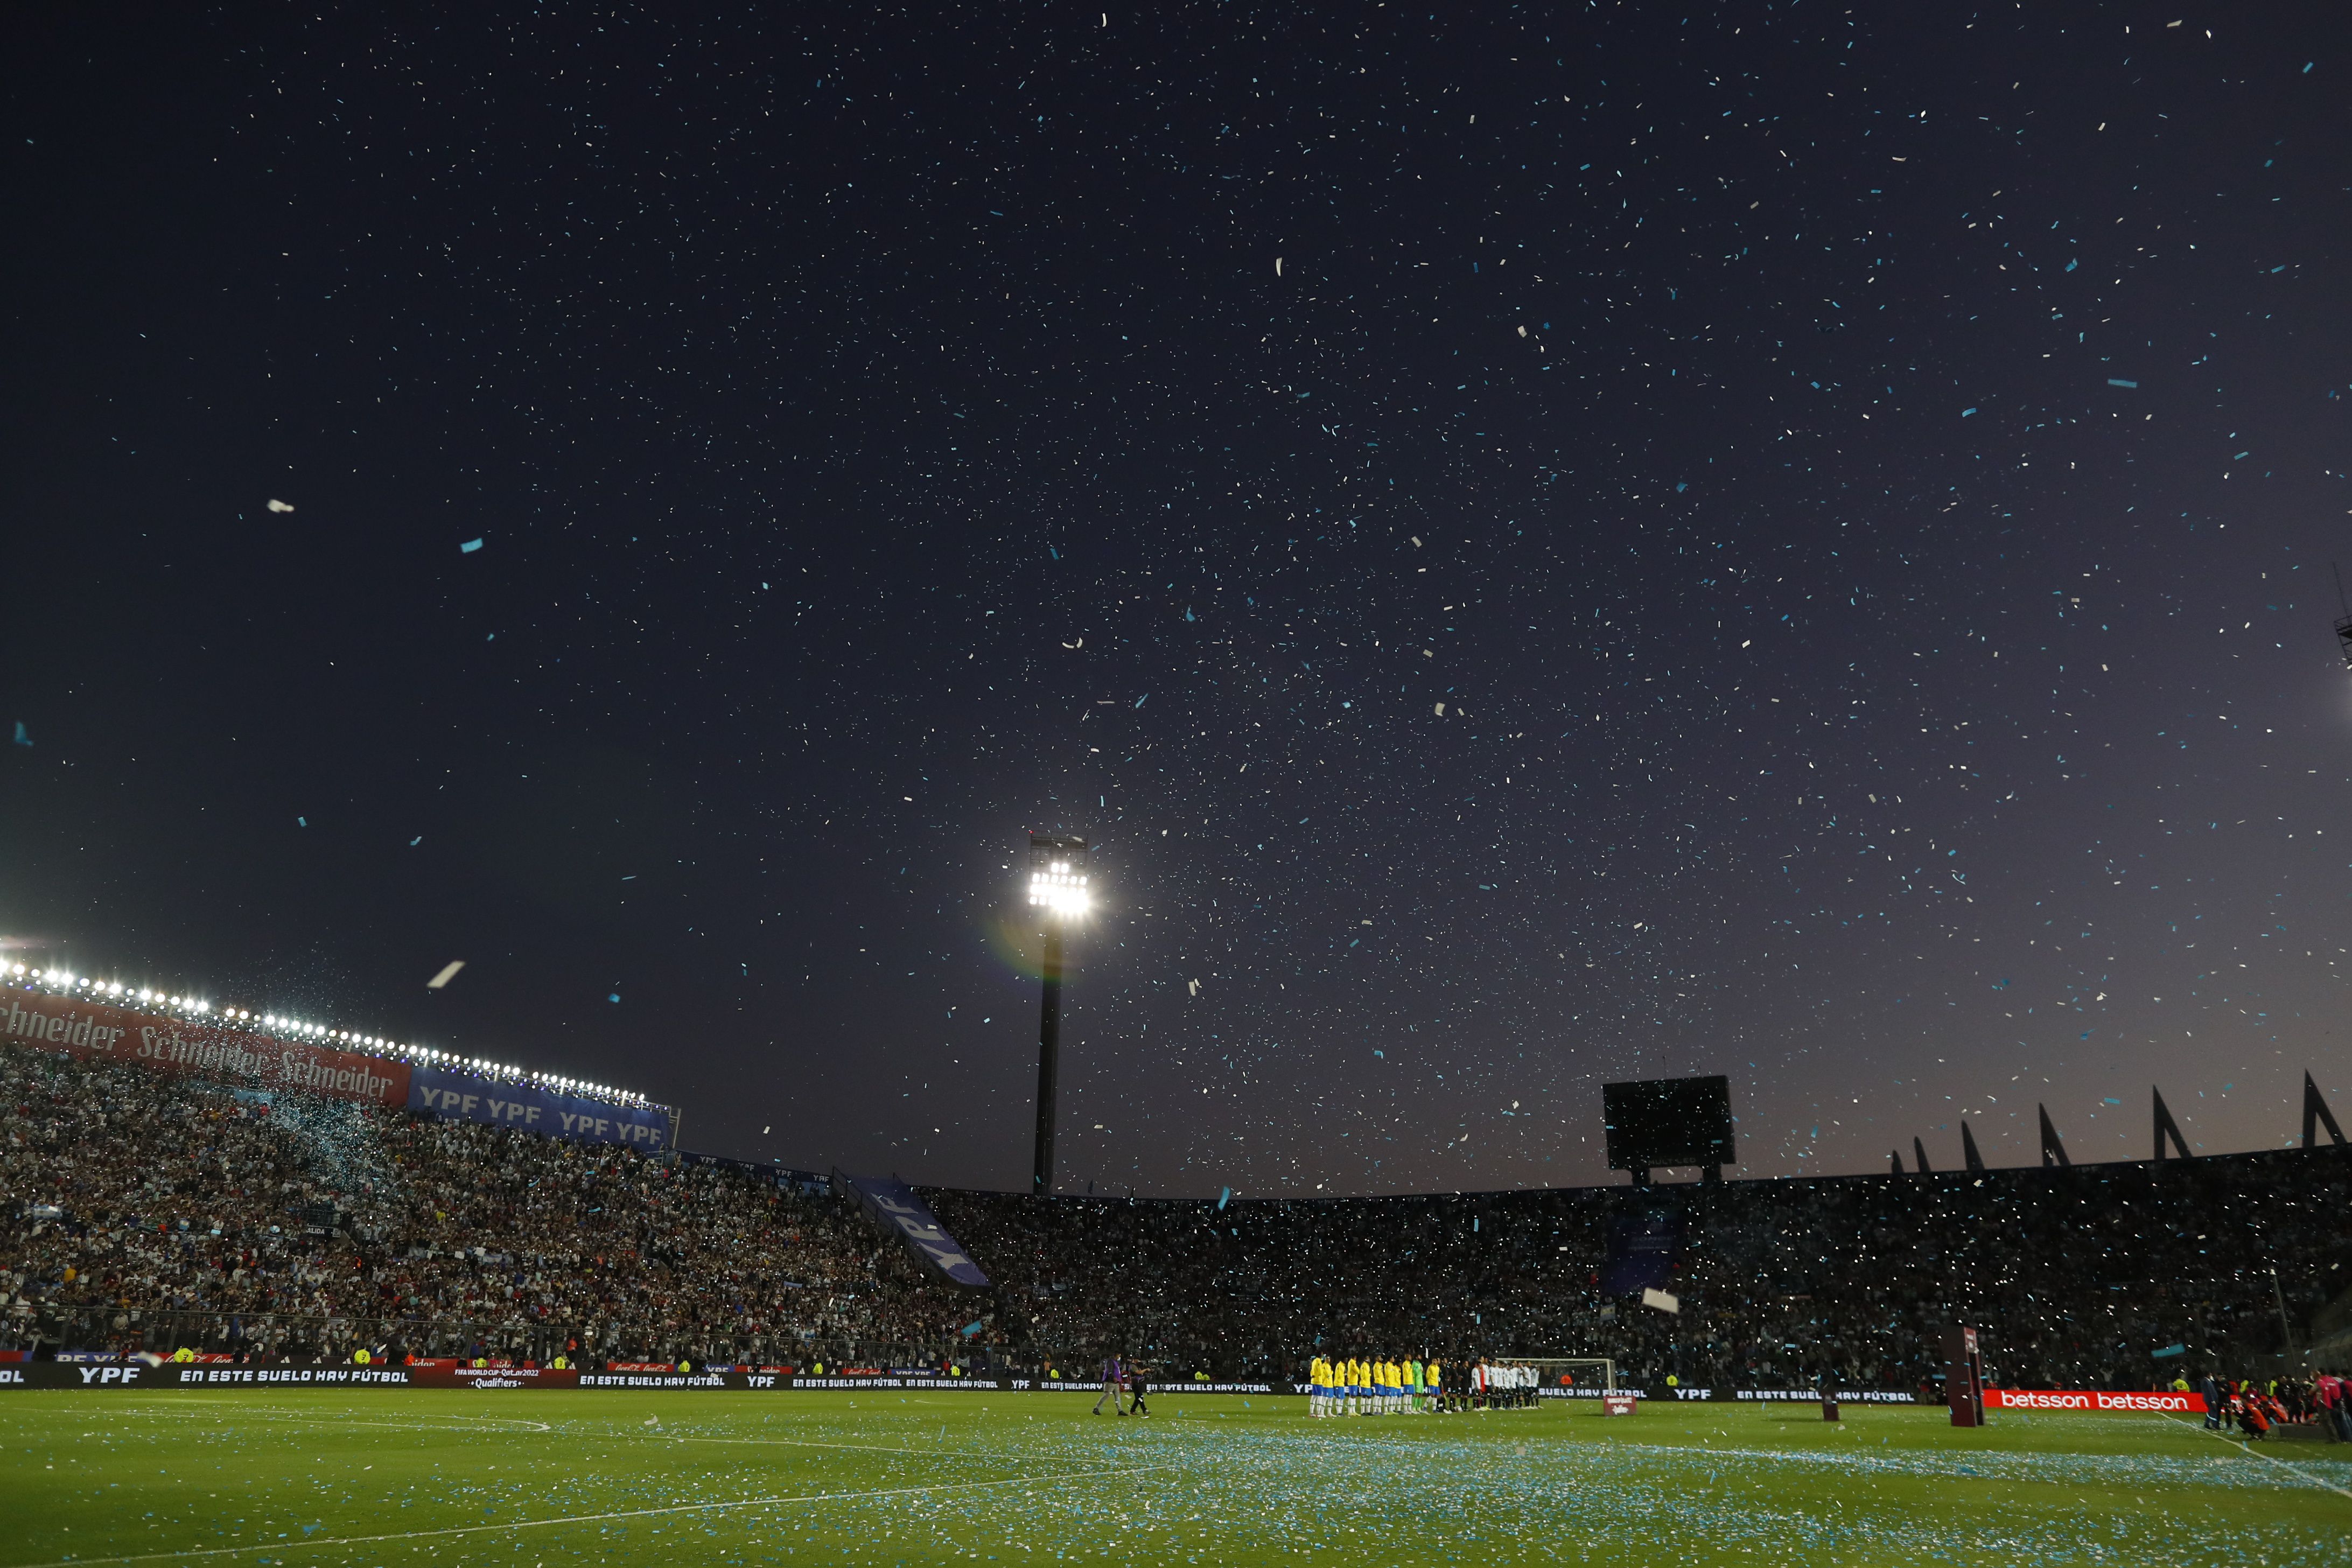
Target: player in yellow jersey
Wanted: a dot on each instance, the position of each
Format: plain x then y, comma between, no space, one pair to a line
1360,1377
1318,1398
1390,1377
1429,1375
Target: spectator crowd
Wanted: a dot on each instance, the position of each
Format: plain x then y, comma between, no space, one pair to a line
140,1211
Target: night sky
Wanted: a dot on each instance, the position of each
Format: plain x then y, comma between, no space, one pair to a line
1543,544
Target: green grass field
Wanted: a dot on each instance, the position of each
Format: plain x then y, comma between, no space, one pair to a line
416,1478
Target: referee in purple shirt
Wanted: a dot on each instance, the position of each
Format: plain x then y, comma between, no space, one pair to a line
1114,1376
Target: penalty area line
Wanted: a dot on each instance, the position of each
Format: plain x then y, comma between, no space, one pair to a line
319,1543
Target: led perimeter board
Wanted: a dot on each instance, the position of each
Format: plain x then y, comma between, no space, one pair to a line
1668,1121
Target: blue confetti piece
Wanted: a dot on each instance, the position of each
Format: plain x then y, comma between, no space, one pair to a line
301,822
1382,1055
2111,1102
1680,486
1224,1196
2119,381
416,841
970,1329
2072,265
1187,612
2280,268
22,737
1053,553
469,547
1142,699
1966,412
616,996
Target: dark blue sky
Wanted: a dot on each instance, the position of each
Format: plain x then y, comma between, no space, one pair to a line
1782,540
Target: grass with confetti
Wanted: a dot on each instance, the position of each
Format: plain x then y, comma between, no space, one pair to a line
887,1478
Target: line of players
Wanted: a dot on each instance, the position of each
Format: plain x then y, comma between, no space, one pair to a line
1355,1386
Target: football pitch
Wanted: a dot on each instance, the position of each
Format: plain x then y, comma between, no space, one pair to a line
550,1480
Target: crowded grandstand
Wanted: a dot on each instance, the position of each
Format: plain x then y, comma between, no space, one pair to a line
173,1212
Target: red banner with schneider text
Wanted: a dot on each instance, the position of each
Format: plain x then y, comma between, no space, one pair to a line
92,1029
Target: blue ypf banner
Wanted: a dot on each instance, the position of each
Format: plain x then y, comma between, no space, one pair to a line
459,1097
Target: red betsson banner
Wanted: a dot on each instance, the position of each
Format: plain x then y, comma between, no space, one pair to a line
173,1045
2161,1400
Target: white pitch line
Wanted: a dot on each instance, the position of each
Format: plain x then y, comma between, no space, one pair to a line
506,1423
2257,1453
320,1541
860,1447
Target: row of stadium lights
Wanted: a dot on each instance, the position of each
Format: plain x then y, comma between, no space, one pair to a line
60,980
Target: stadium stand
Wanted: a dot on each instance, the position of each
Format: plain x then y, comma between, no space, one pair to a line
148,1212
2085,1272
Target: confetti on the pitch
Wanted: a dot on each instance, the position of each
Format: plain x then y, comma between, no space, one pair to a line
448,973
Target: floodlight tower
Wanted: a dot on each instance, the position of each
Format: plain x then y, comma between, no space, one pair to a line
1057,890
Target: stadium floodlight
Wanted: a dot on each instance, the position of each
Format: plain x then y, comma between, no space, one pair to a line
1059,892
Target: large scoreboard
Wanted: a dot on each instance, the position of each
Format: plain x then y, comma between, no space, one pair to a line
1668,1121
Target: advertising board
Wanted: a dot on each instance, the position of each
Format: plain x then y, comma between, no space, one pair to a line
2161,1401
95,1031
461,1096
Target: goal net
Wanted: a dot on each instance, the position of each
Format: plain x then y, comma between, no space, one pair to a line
1579,1372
